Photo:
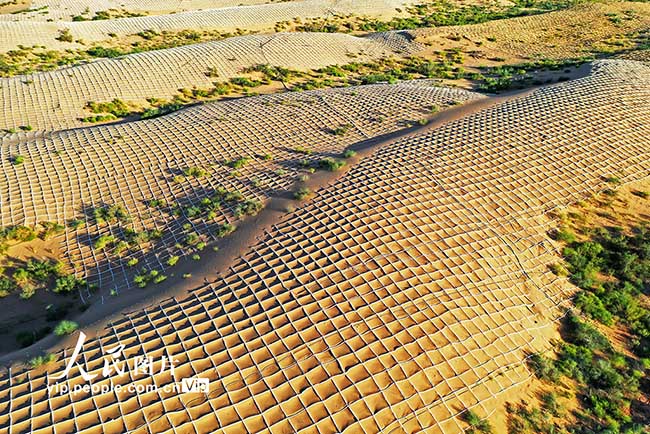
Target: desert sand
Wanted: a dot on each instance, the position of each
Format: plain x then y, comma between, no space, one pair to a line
413,288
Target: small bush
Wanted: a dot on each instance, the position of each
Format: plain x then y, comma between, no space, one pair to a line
67,284
349,153
173,260
224,230
341,130
238,163
331,164
195,172
476,424
116,107
50,229
103,241
39,361
65,36
65,327
18,160
249,207
110,214
543,368
302,193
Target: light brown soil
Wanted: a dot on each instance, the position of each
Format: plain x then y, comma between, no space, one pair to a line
11,6
407,291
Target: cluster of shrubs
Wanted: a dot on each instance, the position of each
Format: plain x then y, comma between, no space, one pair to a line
21,233
116,107
143,278
612,269
626,259
128,238
39,274
435,14
111,214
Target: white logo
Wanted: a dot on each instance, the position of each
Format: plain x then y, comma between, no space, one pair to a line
115,366
195,385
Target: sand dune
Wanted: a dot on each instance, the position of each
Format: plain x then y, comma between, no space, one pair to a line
575,32
411,289
256,17
57,100
132,163
64,10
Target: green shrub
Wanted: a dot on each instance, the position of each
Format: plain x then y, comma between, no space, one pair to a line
302,193
224,230
543,368
238,163
341,130
18,233
161,110
593,306
98,118
110,214
6,286
65,35
103,241
249,207
65,327
50,229
349,153
173,260
196,172
116,107
331,164
18,160
68,283
39,361
476,424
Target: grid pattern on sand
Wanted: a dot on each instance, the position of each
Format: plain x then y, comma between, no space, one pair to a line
57,99
130,164
256,17
64,10
576,32
411,289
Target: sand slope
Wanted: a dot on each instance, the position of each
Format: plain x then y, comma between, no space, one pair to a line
575,32
256,17
408,291
56,100
132,163
64,10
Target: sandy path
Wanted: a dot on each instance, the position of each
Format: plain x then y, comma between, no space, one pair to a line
410,289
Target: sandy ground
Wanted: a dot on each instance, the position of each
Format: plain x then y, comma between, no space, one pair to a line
251,18
62,95
56,100
410,289
66,10
67,175
584,30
